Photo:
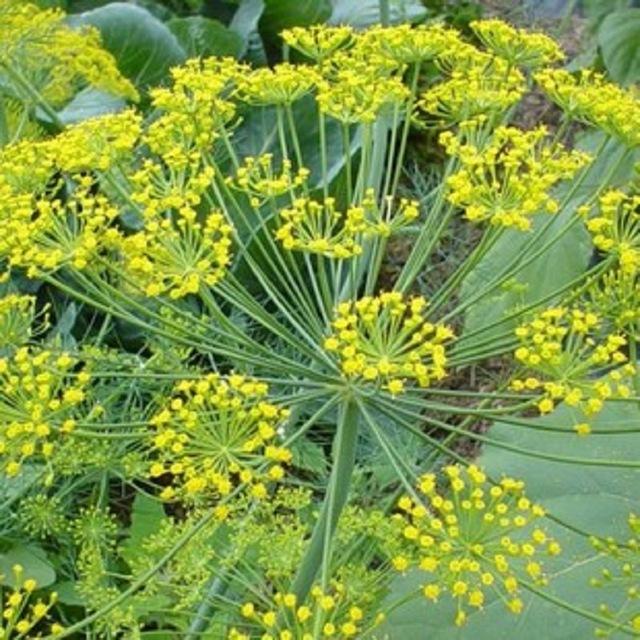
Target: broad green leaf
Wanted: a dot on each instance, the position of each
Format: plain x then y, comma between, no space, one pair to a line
90,103
564,261
594,499
619,39
204,37
595,10
245,21
367,12
12,487
146,516
33,561
144,48
282,14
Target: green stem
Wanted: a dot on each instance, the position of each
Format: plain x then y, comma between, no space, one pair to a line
385,13
4,128
335,499
346,146
34,94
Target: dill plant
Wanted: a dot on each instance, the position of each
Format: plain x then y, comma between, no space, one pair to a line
232,314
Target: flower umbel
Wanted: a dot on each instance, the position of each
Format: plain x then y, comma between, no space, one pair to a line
387,339
563,351
508,179
623,579
477,539
214,433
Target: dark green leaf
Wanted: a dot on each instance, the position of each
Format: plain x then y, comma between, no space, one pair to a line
200,36
283,14
245,21
90,103
564,261
146,516
144,48
619,40
32,559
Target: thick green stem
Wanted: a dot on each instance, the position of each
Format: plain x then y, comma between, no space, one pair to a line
385,14
335,499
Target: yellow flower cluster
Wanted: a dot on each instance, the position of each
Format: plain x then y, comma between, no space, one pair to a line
178,251
195,109
57,60
387,339
625,576
334,613
97,143
356,91
62,232
20,618
560,349
159,191
482,88
42,397
177,258
616,297
406,44
479,538
259,179
508,179
517,46
319,228
281,85
616,229
318,42
214,433
17,313
589,98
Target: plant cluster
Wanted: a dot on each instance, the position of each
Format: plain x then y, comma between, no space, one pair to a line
219,416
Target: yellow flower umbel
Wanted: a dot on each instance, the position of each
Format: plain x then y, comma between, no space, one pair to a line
177,258
406,44
195,109
98,143
623,574
21,617
56,59
357,94
317,227
318,42
42,398
214,433
63,233
178,251
281,85
480,87
564,350
616,297
517,46
475,540
508,179
339,612
387,340
615,229
589,98
260,180
17,314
